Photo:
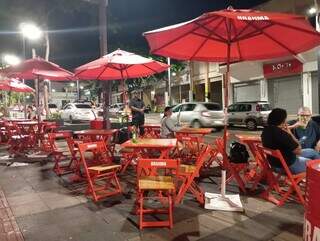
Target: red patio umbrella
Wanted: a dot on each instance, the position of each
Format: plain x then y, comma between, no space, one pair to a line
37,68
234,35
120,65
15,86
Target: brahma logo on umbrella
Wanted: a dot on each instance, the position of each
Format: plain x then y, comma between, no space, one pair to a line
253,18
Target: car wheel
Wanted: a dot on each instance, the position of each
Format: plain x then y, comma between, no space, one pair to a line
71,119
251,125
218,129
196,124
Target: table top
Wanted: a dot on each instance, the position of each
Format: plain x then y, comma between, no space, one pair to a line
15,120
248,137
150,143
152,125
26,123
187,130
96,132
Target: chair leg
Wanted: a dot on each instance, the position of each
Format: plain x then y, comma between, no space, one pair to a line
170,211
141,210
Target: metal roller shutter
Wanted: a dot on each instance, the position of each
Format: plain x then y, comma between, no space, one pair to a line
286,93
246,91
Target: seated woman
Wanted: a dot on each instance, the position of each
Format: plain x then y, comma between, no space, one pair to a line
277,136
168,125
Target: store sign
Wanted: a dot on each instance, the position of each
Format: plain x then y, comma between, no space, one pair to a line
281,69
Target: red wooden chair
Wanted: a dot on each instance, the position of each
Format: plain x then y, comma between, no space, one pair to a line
101,175
156,175
285,184
151,132
18,143
187,175
59,155
234,170
188,147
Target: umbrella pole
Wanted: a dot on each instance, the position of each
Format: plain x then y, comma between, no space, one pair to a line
222,201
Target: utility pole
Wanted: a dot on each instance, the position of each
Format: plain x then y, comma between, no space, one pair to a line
103,9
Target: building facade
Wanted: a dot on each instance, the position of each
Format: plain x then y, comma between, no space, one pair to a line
286,83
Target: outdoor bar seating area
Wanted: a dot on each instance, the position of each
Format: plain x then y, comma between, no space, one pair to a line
162,169
159,174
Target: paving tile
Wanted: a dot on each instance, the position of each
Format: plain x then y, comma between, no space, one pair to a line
23,199
29,208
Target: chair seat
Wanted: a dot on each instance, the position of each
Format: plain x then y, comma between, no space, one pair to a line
102,168
156,183
187,168
19,137
126,150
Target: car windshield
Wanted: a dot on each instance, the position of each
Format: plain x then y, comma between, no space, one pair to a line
264,107
83,106
52,105
213,106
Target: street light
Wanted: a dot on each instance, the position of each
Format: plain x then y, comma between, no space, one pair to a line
30,31
312,11
11,59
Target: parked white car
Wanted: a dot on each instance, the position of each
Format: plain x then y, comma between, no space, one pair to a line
199,114
77,112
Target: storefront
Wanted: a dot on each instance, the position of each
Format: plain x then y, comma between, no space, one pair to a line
285,87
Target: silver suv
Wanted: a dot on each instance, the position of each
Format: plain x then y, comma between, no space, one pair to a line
199,114
251,114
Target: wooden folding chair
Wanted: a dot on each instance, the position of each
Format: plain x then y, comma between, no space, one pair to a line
187,175
285,184
18,142
101,175
188,147
156,175
60,155
234,170
151,132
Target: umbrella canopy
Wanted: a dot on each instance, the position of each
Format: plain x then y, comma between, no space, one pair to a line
55,75
234,35
15,86
120,65
248,34
35,68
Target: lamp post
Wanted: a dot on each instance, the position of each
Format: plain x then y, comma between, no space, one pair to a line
33,33
314,11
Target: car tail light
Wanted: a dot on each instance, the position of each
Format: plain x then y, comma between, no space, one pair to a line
258,108
205,114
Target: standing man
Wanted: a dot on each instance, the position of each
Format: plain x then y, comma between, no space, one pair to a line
137,108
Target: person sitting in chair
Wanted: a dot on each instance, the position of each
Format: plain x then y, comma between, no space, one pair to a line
168,125
306,130
277,136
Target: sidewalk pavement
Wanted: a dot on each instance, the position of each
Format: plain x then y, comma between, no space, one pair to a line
49,208
9,229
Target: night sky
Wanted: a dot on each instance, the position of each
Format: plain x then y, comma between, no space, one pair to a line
72,24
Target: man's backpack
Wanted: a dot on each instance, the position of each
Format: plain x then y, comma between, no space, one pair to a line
238,153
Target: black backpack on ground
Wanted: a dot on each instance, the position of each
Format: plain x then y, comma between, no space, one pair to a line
238,153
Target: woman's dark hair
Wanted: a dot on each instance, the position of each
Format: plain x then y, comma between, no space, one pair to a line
166,110
277,117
